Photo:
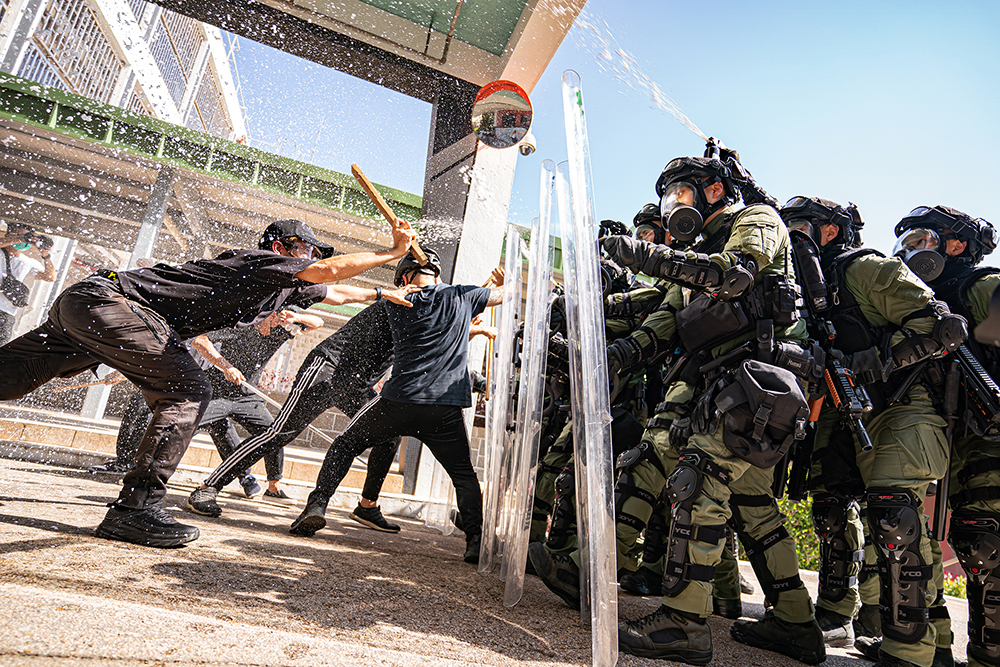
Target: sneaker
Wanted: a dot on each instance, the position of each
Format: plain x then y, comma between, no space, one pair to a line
746,588
112,467
838,630
731,609
472,548
667,635
801,641
313,518
250,487
278,496
868,622
642,582
372,518
202,501
558,572
151,527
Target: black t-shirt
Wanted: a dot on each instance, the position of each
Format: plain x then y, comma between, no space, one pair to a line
238,286
432,345
247,349
361,349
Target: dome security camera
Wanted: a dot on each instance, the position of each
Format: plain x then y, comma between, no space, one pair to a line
527,145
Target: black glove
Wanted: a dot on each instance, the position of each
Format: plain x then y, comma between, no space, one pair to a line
622,353
640,256
479,382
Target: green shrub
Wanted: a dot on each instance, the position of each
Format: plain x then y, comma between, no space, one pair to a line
954,586
800,526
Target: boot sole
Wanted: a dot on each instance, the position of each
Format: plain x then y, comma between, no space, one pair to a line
777,647
308,526
373,526
144,539
689,656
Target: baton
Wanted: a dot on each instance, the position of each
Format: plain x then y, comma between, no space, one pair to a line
385,210
77,386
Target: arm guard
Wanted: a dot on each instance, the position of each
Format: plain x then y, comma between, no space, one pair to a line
950,331
694,270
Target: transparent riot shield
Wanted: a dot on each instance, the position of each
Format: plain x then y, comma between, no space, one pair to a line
531,391
591,408
499,411
441,496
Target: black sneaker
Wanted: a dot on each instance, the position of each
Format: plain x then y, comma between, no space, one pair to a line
667,635
472,548
112,467
801,641
838,630
313,518
558,572
868,622
642,582
250,487
731,609
151,527
202,501
278,496
372,518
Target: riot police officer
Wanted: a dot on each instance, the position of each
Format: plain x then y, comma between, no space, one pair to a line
952,244
741,321
887,327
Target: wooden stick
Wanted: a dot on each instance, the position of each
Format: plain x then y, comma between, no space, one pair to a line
383,207
76,386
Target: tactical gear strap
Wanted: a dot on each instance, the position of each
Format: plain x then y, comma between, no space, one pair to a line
741,500
978,467
968,496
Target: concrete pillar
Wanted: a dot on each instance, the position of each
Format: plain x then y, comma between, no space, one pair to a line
16,29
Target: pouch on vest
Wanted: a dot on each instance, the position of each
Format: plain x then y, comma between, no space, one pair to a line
765,410
708,322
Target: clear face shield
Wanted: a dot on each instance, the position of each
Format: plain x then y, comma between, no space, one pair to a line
678,209
923,250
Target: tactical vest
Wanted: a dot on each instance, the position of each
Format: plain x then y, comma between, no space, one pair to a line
951,288
854,332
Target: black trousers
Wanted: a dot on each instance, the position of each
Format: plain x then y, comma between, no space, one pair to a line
440,427
316,389
91,323
222,411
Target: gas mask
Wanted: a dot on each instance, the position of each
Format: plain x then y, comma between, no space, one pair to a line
681,209
923,250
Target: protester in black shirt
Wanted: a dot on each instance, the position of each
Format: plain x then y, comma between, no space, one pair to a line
134,321
424,396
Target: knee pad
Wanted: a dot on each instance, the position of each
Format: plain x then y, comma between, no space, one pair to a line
896,529
975,537
683,488
563,523
626,486
837,572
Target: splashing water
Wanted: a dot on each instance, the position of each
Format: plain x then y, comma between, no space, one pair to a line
595,35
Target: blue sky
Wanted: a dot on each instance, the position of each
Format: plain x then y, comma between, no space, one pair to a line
890,105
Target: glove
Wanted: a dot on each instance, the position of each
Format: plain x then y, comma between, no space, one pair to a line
621,354
640,256
478,382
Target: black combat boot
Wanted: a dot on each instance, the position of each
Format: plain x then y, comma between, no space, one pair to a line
731,609
151,527
871,649
802,641
642,582
558,572
667,634
868,622
838,630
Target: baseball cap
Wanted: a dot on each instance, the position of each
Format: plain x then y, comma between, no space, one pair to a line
283,229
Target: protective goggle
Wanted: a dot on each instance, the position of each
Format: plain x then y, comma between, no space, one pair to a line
920,238
301,249
979,230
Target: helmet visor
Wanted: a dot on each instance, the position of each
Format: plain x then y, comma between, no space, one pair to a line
919,238
677,194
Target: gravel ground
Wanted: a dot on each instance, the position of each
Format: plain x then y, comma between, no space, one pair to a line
248,593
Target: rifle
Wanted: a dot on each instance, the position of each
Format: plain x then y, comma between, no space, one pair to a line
800,455
982,407
951,382
849,397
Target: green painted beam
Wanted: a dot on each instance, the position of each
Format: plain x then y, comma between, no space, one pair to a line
82,118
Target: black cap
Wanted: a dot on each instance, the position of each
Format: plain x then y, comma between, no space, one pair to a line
283,229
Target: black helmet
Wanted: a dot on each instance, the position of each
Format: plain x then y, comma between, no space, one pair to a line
816,212
686,177
980,236
648,219
408,264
